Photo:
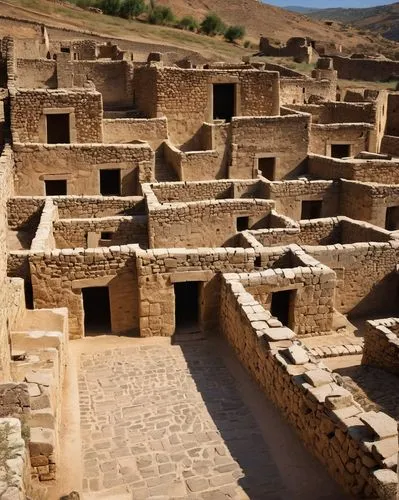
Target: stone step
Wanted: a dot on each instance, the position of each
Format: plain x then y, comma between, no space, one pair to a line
42,448
335,350
35,339
42,418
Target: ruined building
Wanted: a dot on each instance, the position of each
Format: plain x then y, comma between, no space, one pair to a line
242,201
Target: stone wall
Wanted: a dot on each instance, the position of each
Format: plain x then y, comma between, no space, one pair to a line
368,201
371,70
113,79
312,288
80,166
392,127
288,196
29,108
14,461
185,97
381,344
36,73
6,190
78,207
285,137
357,135
192,191
86,233
390,145
296,90
366,276
128,130
322,412
202,223
354,169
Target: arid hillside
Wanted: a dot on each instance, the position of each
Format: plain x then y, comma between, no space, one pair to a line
383,19
258,18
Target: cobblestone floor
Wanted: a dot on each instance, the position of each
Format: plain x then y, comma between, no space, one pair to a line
168,422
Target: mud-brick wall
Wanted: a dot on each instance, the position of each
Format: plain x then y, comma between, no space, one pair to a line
28,119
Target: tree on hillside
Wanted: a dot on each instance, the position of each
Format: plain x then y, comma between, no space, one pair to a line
212,25
160,14
188,23
132,8
110,7
234,33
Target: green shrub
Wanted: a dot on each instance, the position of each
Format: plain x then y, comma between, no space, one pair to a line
160,14
247,44
234,33
132,8
188,23
212,25
110,7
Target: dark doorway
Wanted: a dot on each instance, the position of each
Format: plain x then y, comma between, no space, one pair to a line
311,209
392,219
340,150
281,306
223,101
242,223
110,182
56,188
106,235
187,306
58,129
267,166
97,311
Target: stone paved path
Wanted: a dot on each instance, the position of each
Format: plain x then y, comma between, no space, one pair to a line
163,421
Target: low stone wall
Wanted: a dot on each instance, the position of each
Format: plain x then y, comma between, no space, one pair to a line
72,207
381,344
24,212
347,440
322,136
289,195
127,130
14,461
325,167
371,70
202,223
44,238
14,401
86,233
194,191
390,145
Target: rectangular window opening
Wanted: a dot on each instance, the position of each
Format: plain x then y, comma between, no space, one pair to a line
311,209
58,128
340,150
106,235
224,105
55,187
97,312
392,218
242,223
110,182
267,167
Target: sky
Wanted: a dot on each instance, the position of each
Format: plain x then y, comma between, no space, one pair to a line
326,4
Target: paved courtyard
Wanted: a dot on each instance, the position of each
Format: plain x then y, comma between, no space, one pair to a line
164,421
